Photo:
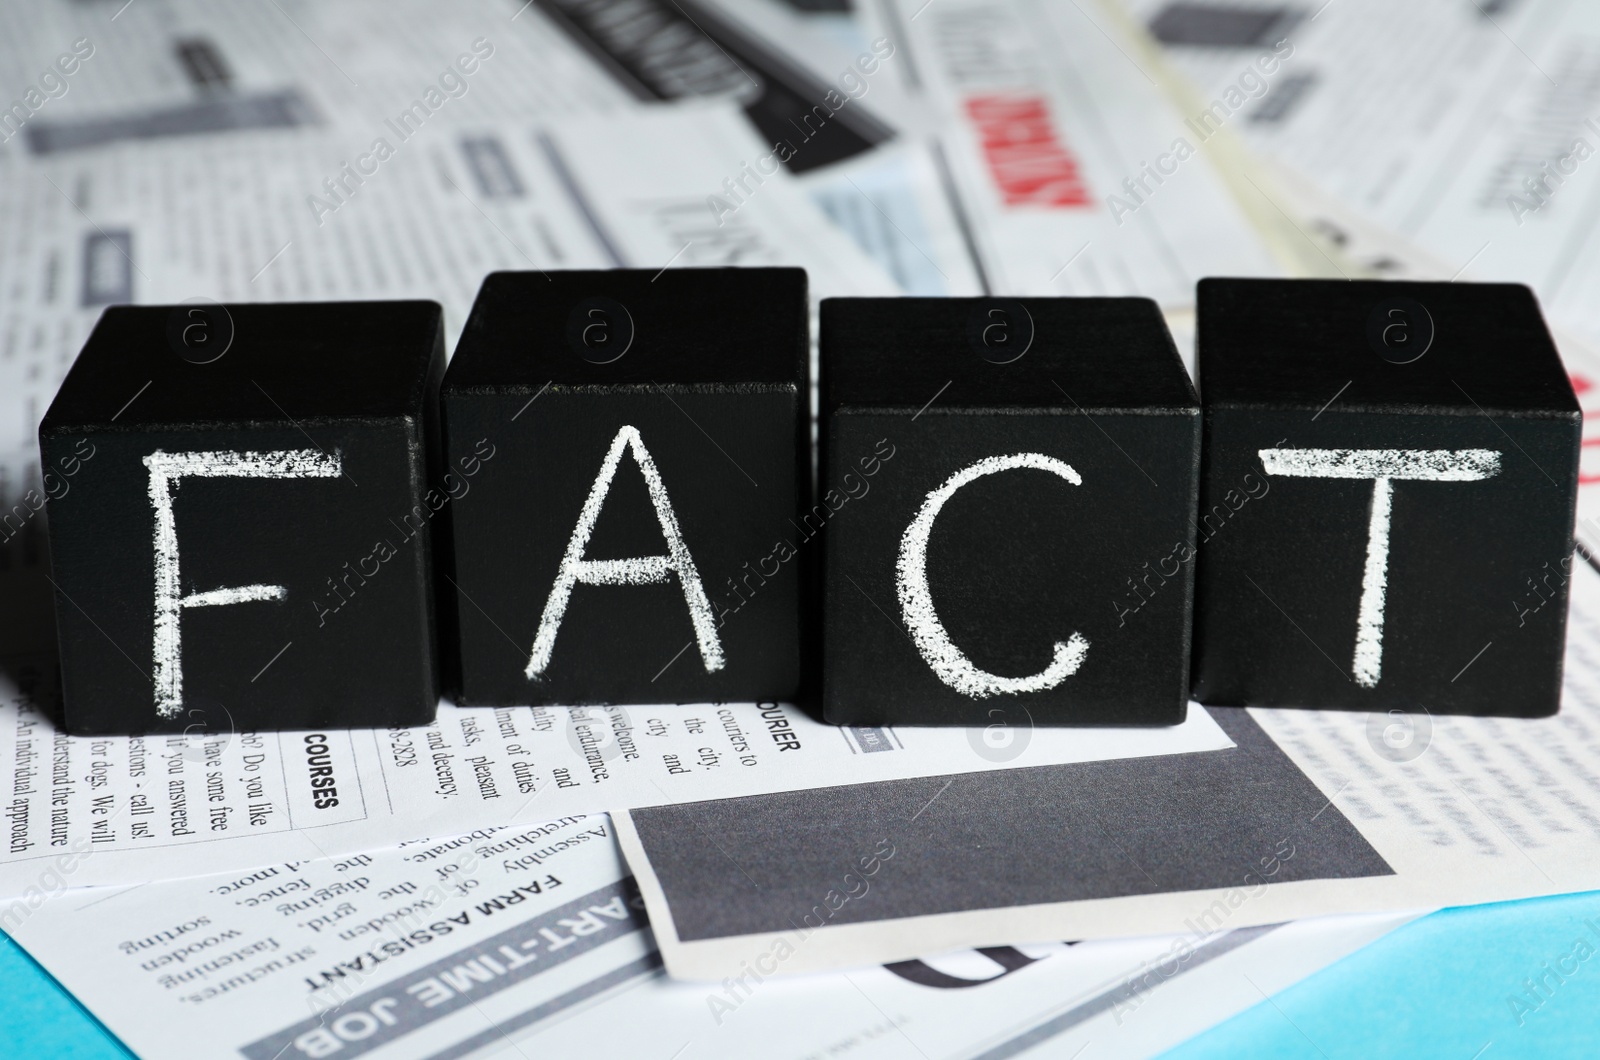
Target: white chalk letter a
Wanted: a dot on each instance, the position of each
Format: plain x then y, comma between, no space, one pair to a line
643,570
166,469
916,599
1382,466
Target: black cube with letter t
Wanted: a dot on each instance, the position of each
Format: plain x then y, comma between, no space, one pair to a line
1007,508
243,542
630,541
1389,486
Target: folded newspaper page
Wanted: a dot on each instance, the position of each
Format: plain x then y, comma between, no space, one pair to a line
1039,122
1468,130
532,940
1309,812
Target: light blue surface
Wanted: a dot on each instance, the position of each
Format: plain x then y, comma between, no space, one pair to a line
39,1019
1438,987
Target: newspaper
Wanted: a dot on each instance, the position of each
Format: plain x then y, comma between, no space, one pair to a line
1467,130
231,152
197,70
222,151
1036,118
287,215
124,809
511,942
1309,812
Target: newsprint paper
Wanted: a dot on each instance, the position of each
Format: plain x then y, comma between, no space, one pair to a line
1310,812
532,941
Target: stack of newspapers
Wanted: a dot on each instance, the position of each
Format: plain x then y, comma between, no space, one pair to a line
741,879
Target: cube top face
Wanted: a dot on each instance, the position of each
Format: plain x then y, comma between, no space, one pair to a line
205,364
1000,353
678,327
1378,345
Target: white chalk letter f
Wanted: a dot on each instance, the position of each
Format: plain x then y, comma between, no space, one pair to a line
166,469
922,618
643,570
1382,466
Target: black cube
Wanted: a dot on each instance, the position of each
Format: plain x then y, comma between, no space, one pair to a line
1007,502
245,544
1388,496
643,446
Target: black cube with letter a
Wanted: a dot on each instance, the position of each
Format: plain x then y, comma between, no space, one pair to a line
244,542
642,438
1387,502
1007,506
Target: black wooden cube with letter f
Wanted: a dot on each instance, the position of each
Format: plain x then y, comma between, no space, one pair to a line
1387,500
628,540
246,542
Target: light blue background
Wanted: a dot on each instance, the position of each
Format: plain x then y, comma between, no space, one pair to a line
1436,987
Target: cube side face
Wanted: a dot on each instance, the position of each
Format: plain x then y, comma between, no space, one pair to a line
1018,560
279,596
1465,614
725,462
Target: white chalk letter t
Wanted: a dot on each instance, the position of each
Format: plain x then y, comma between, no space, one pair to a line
1382,466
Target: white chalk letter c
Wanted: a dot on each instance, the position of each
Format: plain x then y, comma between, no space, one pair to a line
922,618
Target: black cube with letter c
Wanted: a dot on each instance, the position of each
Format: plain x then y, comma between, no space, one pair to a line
1007,510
